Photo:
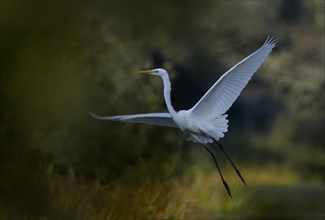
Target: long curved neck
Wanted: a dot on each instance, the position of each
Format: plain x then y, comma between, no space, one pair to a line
167,89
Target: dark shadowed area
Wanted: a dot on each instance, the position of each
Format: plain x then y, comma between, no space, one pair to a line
60,60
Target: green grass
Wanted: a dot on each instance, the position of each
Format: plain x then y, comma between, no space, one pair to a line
273,191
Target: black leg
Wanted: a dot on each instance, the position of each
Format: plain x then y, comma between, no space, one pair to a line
215,162
237,171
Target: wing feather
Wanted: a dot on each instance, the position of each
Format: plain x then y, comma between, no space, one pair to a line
161,119
225,91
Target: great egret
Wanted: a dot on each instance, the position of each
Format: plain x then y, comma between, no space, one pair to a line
206,121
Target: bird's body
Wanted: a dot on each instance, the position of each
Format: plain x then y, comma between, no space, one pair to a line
206,121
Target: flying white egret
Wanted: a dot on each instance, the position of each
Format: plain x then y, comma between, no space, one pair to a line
206,121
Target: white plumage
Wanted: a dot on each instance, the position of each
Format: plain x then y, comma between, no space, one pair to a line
206,121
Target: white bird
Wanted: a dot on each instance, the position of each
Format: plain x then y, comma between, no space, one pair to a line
206,121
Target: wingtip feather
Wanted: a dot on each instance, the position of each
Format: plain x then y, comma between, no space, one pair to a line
271,40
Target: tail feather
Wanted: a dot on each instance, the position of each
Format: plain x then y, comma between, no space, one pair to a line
219,127
215,130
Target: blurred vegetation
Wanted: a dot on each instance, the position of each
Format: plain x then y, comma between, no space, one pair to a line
60,60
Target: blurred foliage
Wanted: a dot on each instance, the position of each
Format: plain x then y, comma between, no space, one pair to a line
60,60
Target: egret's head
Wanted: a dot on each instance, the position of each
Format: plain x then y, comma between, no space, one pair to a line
156,72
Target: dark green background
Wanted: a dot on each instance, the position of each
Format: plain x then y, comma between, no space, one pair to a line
60,60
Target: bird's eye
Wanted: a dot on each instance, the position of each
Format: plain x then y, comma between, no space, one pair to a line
156,71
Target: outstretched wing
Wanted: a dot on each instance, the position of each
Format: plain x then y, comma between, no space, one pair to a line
225,91
161,119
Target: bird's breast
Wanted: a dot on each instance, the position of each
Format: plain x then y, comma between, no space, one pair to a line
189,122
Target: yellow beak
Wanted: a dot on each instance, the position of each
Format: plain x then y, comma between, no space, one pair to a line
146,71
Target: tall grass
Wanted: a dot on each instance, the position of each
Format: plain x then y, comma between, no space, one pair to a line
272,191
